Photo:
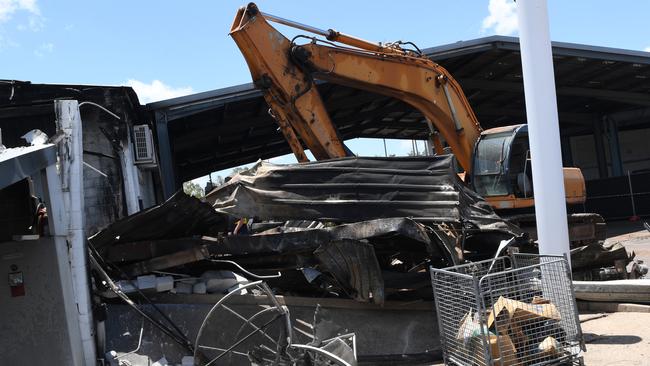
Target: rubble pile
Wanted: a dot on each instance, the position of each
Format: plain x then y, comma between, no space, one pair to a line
360,228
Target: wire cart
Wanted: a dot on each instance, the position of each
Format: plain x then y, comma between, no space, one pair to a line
513,310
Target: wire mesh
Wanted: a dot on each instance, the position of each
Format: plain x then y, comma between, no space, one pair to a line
233,334
517,310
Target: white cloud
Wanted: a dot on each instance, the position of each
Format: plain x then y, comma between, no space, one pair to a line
36,23
9,7
156,90
647,49
44,49
502,18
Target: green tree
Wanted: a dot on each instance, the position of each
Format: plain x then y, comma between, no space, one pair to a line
193,189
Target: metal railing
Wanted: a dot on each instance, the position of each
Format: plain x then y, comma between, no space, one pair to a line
622,197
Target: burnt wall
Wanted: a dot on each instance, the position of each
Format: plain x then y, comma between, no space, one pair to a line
25,106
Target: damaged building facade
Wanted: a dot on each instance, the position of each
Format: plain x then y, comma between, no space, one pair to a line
81,136
344,244
116,183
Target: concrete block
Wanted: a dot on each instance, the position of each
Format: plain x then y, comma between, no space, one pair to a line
199,288
146,282
161,362
222,281
182,288
164,283
126,286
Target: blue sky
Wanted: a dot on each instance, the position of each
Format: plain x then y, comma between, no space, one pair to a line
171,48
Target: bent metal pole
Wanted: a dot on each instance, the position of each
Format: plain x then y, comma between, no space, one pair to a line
543,127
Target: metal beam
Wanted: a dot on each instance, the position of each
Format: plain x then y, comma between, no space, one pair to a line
578,118
567,155
614,147
20,163
26,111
232,159
604,94
630,115
600,149
165,157
480,61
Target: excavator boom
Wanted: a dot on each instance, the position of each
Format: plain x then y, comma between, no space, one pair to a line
285,71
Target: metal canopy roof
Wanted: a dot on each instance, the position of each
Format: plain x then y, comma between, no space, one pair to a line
227,127
21,162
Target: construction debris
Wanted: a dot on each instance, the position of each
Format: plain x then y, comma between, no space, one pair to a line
355,228
598,261
619,291
361,228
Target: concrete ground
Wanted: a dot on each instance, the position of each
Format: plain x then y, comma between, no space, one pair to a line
620,338
617,339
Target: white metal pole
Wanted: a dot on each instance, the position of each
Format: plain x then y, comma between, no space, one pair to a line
69,120
543,127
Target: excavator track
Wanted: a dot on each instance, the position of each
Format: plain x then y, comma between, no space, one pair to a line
584,228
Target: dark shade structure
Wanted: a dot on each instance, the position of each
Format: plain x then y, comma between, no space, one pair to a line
210,131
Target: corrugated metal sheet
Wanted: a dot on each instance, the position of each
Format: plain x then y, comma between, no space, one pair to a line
426,189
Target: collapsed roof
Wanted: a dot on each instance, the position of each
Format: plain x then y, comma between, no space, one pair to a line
368,227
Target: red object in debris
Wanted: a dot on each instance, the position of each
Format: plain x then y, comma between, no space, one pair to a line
16,283
634,218
17,291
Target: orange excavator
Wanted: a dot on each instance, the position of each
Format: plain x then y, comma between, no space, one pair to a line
495,162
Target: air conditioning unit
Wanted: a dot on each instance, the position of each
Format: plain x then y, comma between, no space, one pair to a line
143,145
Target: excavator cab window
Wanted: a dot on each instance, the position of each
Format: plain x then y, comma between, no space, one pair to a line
490,165
502,164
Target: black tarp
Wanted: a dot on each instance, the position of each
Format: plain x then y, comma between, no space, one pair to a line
426,189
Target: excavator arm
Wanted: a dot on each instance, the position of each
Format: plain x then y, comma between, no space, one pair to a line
286,71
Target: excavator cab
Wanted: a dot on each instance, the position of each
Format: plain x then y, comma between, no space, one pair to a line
502,171
502,163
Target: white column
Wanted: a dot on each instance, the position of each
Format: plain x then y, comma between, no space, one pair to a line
543,127
71,160
57,222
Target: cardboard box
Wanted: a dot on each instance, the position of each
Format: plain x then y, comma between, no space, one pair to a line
518,314
498,344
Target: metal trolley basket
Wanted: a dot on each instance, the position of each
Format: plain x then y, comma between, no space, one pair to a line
516,310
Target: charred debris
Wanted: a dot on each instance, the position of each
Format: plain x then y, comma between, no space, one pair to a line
359,228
